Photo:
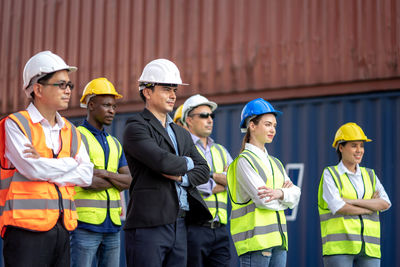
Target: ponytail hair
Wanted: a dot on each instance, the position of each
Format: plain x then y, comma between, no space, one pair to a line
246,138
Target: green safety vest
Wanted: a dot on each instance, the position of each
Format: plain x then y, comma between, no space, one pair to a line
92,205
348,234
217,203
253,228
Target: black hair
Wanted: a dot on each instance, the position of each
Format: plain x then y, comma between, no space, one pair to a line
43,80
141,91
338,151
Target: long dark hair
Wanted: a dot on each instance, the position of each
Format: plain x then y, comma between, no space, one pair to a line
338,151
246,137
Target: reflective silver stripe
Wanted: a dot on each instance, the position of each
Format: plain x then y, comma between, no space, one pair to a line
35,204
25,124
221,153
243,211
211,204
372,240
74,141
29,204
333,169
92,203
17,177
371,175
341,237
372,217
278,163
258,230
260,170
117,144
85,141
69,204
350,237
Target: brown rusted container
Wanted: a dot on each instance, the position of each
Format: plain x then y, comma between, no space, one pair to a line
229,50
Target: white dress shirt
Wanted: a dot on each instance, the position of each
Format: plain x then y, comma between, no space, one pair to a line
61,171
331,193
249,181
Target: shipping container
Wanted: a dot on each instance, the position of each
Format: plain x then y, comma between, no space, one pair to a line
231,50
303,143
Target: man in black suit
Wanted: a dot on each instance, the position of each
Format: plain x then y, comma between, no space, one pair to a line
166,168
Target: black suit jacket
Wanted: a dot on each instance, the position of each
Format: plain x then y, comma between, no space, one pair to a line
150,152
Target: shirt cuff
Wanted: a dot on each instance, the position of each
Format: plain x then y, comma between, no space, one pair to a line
189,163
185,181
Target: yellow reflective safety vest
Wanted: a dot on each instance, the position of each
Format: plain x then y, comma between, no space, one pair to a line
92,205
217,203
349,234
253,228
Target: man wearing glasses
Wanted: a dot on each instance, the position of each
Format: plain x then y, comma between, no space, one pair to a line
43,158
209,242
166,168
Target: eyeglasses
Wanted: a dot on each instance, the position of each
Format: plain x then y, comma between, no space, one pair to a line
203,115
62,85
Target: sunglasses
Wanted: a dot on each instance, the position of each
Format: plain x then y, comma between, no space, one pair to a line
204,115
62,85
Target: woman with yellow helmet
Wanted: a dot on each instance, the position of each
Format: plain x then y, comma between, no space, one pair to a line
350,198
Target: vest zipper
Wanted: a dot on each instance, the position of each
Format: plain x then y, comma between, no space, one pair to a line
60,202
108,204
362,234
280,229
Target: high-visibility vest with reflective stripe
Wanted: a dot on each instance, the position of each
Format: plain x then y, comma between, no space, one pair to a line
253,228
32,204
92,205
346,234
217,201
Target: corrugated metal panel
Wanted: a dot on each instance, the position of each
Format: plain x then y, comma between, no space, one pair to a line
231,50
304,135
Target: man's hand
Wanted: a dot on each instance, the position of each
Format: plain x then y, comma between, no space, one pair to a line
31,152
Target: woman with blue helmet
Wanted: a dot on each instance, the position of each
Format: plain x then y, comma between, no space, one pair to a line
260,191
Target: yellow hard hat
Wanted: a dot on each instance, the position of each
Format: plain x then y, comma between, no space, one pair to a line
99,86
178,113
349,132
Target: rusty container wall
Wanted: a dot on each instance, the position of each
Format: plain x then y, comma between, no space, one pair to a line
231,50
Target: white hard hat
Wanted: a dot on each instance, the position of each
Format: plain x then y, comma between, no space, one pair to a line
160,71
195,101
41,64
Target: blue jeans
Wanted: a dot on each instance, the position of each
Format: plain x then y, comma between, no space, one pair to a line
87,246
349,260
271,257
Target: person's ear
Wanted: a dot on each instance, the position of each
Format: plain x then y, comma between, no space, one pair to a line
37,90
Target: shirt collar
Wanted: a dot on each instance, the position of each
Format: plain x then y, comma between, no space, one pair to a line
196,140
93,129
36,117
343,169
256,150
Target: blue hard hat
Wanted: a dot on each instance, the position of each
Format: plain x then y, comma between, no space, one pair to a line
256,107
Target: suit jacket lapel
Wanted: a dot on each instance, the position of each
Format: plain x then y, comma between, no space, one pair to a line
157,125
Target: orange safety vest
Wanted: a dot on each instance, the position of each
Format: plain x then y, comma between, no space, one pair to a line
31,204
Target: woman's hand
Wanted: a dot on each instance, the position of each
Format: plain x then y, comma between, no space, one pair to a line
270,194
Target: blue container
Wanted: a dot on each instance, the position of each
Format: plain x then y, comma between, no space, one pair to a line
303,142
305,134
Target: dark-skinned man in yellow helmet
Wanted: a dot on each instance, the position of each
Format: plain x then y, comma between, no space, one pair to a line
97,238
